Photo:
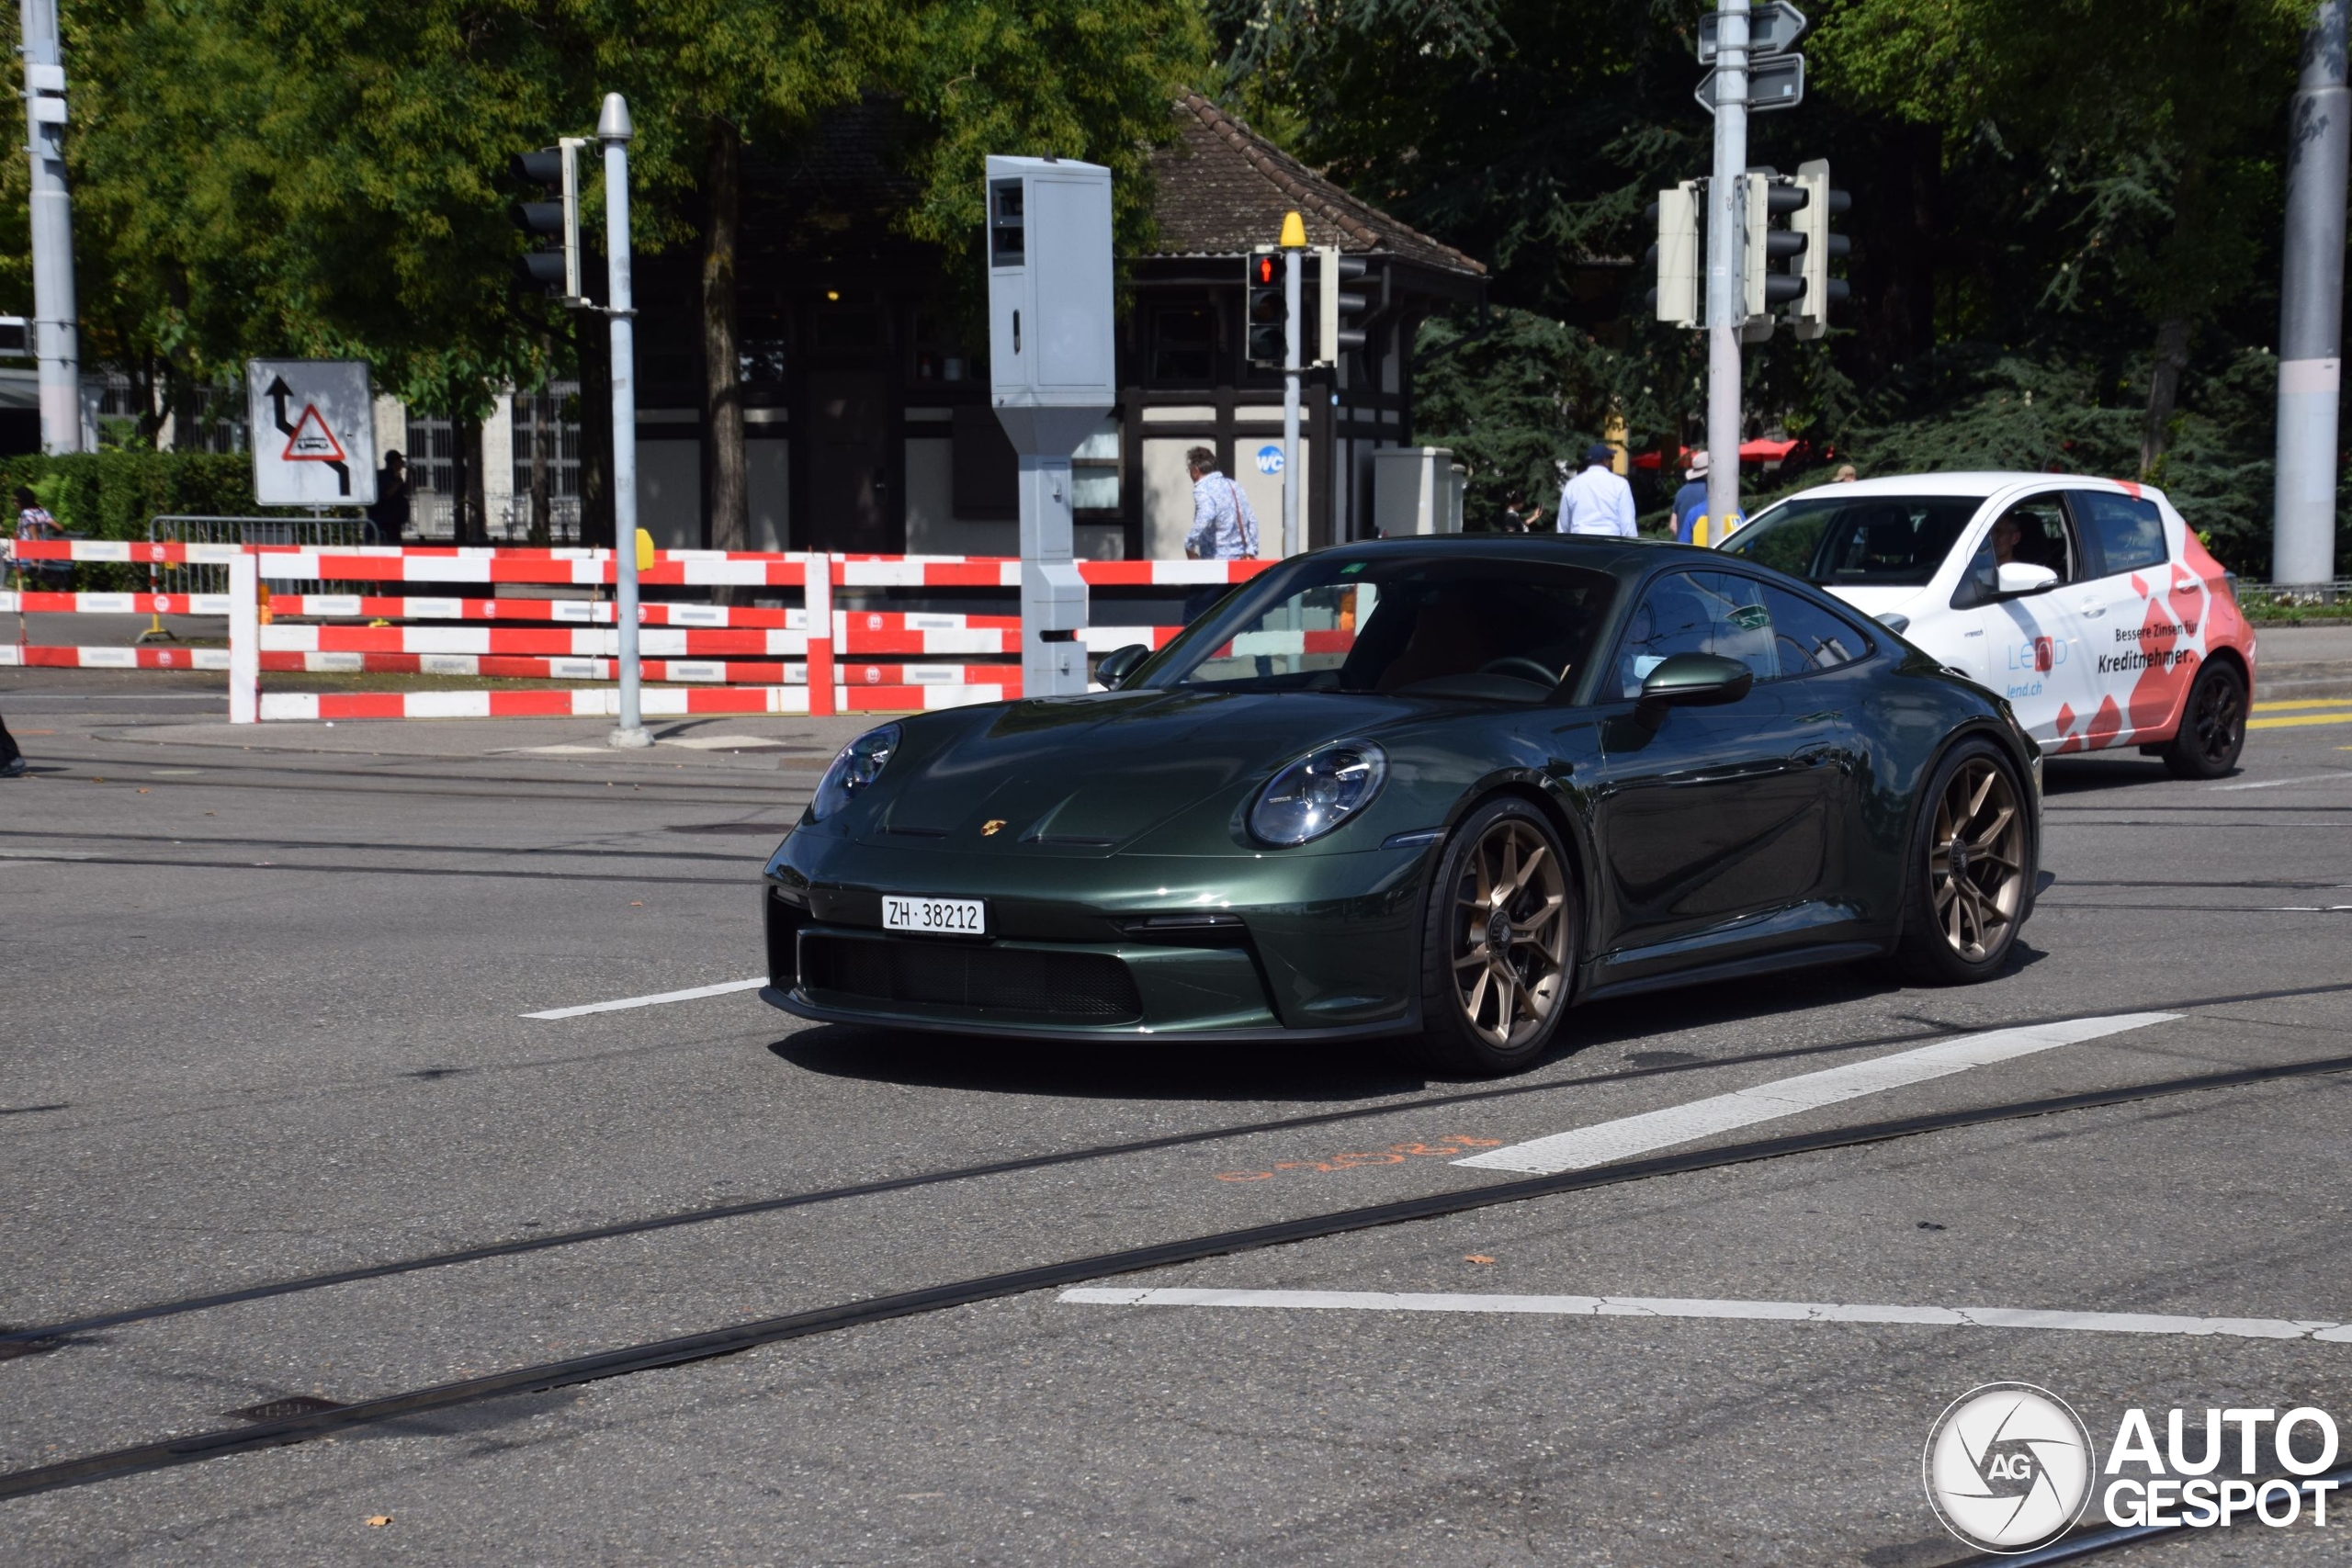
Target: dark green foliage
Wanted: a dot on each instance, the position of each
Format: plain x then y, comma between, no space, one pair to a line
112,494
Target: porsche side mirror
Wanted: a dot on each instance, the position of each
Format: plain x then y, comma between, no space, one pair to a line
1119,664
1693,680
2019,579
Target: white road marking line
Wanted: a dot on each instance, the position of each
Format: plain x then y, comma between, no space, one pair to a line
1775,1312
717,742
2282,784
1631,1135
651,1002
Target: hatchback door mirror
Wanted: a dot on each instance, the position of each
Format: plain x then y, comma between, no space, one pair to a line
1119,664
2019,579
1694,680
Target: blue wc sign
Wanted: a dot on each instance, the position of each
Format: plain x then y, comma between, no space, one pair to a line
1270,459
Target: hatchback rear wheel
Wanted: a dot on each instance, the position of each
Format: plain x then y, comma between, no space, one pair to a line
2212,726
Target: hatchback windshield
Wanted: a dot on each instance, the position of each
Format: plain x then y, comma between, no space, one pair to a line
1857,541
1473,628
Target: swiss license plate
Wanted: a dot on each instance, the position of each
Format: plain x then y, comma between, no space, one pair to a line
949,917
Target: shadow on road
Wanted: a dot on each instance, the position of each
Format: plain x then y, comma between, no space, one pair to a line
1309,1072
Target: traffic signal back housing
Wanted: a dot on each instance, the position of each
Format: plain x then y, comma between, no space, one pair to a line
1680,256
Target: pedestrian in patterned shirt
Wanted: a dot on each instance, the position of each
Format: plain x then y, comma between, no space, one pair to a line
1223,528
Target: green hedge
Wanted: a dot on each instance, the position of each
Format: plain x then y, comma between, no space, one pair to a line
112,494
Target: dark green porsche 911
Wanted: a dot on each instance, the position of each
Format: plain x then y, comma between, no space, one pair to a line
1430,789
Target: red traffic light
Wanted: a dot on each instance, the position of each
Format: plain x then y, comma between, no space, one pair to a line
1265,269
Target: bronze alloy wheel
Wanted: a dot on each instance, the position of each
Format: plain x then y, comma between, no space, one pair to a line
1976,859
1511,935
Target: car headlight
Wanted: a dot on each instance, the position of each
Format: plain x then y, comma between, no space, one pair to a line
859,764
1317,792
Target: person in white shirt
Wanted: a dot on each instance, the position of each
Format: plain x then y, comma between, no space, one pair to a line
1597,500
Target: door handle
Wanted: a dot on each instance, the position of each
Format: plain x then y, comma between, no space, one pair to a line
2093,609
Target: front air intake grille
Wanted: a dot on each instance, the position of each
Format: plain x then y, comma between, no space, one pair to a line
1084,987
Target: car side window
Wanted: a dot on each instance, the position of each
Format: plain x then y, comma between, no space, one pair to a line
1697,612
1807,638
2126,534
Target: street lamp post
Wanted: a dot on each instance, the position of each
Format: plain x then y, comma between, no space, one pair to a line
613,129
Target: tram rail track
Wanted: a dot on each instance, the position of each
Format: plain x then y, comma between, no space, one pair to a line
680,1350
1043,1160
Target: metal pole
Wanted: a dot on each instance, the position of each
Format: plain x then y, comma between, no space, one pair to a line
613,129
1291,257
2311,302
55,335
1726,296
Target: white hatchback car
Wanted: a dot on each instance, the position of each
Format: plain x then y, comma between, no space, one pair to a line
2089,604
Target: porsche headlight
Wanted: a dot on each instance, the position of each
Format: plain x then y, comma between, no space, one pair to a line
1317,792
860,763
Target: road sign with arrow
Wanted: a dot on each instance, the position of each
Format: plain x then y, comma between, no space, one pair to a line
313,432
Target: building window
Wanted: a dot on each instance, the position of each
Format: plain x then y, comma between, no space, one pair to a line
556,415
940,359
842,324
1094,474
759,362
1183,345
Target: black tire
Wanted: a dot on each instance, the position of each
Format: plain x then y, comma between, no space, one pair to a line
1972,870
2212,726
1504,1012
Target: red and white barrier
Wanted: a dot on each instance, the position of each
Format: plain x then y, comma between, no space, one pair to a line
811,659
35,657
604,702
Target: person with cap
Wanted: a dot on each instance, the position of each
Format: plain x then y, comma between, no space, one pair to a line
1597,501
1691,501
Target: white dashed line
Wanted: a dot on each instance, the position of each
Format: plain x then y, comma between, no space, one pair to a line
1685,1307
1631,1135
652,1001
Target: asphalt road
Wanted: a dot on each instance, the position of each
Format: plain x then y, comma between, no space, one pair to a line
263,1009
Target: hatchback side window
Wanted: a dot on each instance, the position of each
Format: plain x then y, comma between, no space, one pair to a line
2126,533
1807,638
2036,532
1697,612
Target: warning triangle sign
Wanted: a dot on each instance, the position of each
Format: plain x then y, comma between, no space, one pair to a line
312,441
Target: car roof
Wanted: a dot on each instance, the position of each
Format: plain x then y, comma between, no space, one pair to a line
1974,485
1599,552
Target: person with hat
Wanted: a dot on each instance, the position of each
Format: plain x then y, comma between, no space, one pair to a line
1691,501
1597,501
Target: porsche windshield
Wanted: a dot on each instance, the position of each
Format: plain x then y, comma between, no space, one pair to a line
1476,627
1857,541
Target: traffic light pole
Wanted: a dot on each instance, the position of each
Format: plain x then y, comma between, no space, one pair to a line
1727,295
2311,313
1294,250
613,129
56,335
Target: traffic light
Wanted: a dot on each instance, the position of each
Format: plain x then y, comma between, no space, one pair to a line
1810,318
1267,311
1336,305
1678,259
553,263
1764,283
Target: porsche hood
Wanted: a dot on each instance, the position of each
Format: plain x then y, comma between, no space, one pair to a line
1100,773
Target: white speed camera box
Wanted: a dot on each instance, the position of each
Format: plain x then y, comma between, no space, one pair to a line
1050,336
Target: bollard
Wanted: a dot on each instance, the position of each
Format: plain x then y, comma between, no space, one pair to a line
817,595
244,638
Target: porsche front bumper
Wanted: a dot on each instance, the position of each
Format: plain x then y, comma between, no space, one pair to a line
1238,948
